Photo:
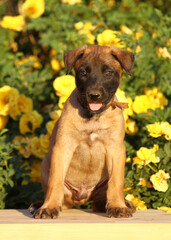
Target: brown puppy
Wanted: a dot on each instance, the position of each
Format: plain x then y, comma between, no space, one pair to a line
86,156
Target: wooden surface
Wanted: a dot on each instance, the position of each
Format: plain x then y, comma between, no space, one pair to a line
80,225
84,216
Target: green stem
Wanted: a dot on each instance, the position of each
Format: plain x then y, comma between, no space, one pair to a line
154,170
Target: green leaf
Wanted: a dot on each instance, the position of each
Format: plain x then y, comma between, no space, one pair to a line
160,153
142,115
167,149
11,183
30,125
156,204
3,131
166,160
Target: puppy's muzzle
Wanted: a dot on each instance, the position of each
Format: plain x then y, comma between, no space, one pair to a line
94,95
95,99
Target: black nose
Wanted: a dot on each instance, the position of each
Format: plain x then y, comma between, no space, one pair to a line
94,94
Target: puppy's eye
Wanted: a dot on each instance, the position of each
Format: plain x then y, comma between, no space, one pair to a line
109,73
83,72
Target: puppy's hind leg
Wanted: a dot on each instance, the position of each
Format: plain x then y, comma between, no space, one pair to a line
34,206
99,199
45,176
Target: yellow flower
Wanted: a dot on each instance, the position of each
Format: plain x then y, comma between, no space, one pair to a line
152,99
125,29
33,9
131,127
143,183
8,97
109,38
56,64
3,121
50,125
140,205
88,26
157,97
36,148
145,155
166,209
55,115
78,25
138,49
44,141
35,173
127,189
62,101
167,132
53,52
33,59
64,85
168,41
30,121
155,129
139,161
71,2
128,160
14,46
22,105
90,37
142,103
23,145
158,128
163,52
15,23
159,181
109,3
122,98
138,35
85,29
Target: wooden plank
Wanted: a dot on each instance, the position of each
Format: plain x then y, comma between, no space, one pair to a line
111,231
83,216
76,224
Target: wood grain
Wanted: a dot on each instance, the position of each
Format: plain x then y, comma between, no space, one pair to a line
79,224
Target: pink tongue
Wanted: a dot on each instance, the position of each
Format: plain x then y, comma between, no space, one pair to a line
95,106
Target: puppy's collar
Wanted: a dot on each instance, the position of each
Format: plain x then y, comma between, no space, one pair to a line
121,105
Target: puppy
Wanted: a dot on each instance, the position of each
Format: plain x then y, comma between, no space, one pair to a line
86,157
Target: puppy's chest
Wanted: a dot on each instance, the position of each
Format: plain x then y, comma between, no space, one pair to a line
89,156
92,146
92,131
91,137
88,164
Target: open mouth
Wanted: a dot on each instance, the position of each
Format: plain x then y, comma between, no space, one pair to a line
95,106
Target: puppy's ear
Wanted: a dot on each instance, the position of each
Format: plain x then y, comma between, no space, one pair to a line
70,57
125,58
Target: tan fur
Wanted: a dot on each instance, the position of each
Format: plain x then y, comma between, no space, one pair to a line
86,152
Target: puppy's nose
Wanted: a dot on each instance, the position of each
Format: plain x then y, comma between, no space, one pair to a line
94,94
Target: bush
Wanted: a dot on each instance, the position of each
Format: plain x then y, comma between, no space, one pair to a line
34,36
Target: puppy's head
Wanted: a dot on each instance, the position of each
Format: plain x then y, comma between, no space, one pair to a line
98,71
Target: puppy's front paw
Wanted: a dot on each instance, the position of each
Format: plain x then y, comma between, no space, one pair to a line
118,212
46,213
130,205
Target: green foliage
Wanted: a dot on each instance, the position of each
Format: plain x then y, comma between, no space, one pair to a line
13,171
6,169
55,30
